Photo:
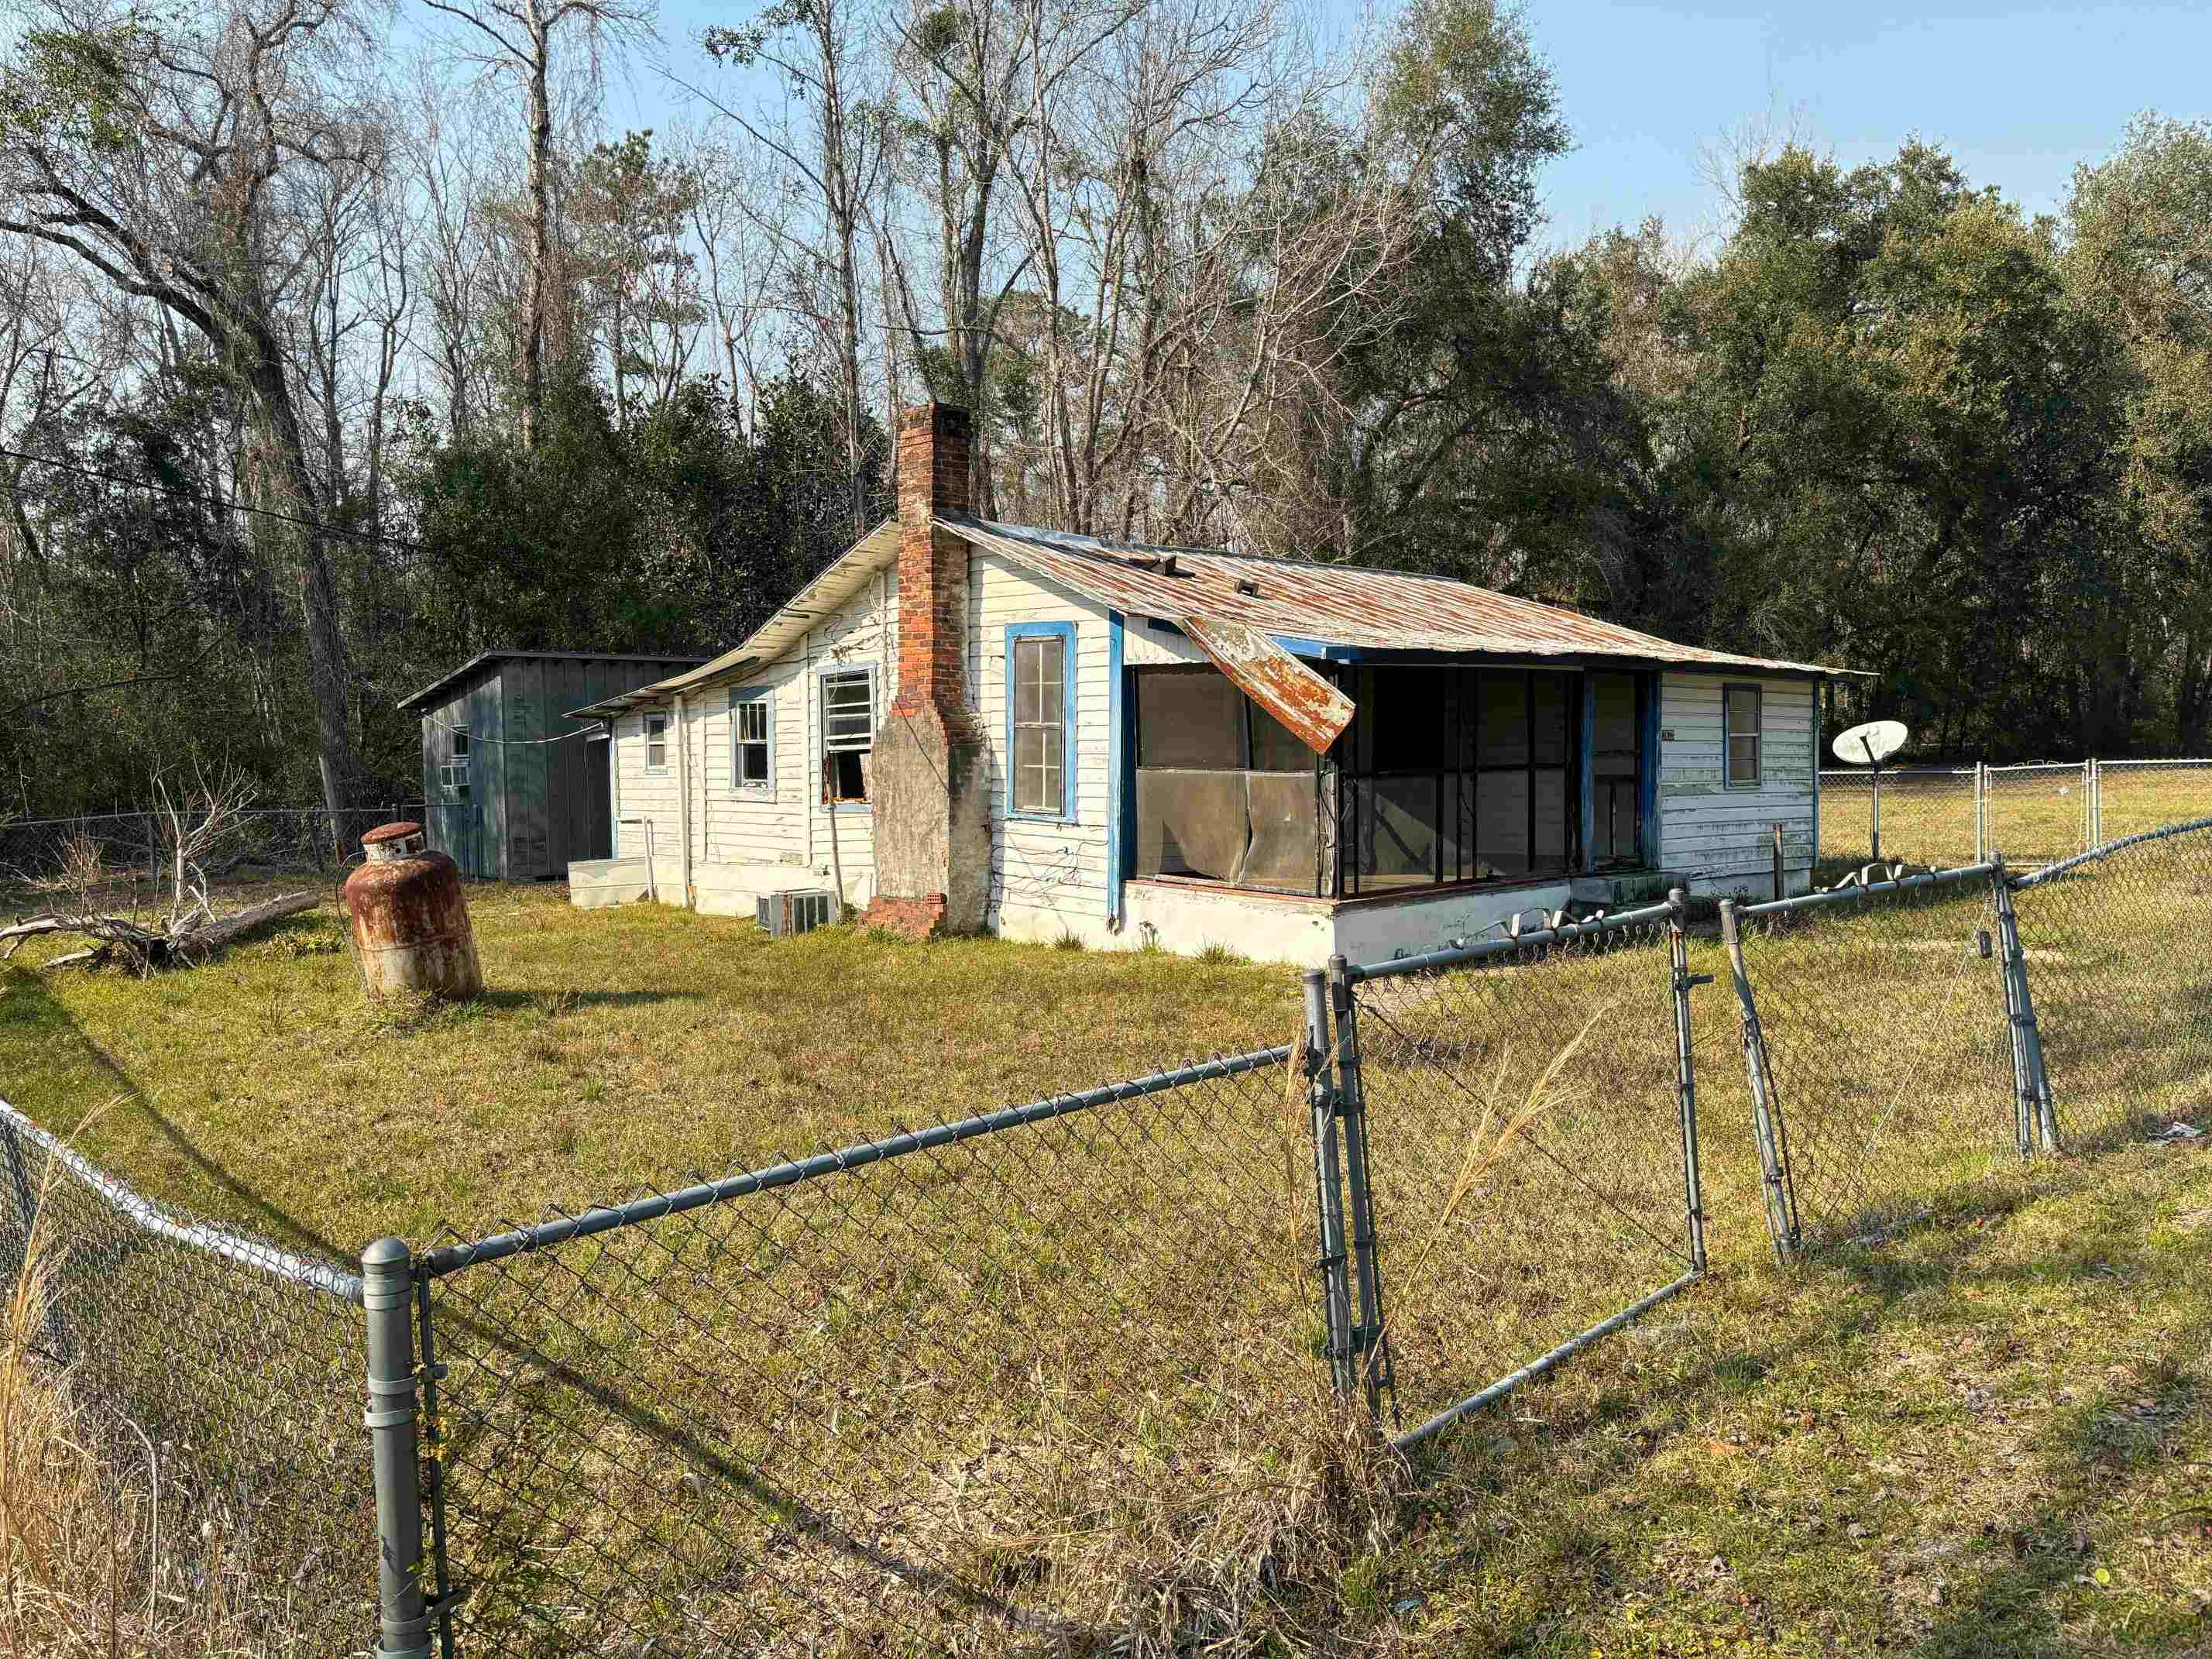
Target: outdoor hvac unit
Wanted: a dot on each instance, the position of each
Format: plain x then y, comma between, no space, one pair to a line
796,913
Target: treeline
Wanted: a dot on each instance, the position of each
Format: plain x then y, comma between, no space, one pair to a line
325,364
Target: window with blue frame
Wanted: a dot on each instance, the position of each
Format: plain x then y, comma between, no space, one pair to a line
1040,720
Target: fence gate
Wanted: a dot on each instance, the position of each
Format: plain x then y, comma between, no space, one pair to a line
1527,1123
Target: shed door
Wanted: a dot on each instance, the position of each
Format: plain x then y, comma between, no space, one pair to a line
599,814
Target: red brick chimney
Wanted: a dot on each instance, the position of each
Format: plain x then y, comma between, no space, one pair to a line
933,566
931,787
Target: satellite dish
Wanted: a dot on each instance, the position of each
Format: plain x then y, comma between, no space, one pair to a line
1872,744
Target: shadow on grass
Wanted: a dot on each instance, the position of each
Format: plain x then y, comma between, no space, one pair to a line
1597,1445
27,1005
2000,1608
555,1002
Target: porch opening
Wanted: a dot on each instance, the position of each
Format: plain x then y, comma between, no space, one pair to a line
1447,775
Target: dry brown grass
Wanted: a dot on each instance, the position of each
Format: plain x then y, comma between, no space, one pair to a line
95,1558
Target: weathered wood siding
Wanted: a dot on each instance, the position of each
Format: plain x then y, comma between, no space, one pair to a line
1722,836
1047,877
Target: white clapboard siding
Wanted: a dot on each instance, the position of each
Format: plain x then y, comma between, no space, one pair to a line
1046,877
753,825
1723,837
860,633
786,825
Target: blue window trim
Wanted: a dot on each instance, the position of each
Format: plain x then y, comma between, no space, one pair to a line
847,808
1586,771
1649,689
1065,633
1120,808
744,695
1728,779
1819,706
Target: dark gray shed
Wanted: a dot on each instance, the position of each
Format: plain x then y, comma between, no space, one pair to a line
515,790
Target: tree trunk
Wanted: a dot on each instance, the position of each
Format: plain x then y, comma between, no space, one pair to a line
541,236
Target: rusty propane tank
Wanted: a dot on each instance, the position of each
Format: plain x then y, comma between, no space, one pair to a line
410,919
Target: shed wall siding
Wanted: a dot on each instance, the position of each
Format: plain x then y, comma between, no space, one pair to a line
1047,877
1723,837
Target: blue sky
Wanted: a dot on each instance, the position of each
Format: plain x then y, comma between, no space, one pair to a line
2018,94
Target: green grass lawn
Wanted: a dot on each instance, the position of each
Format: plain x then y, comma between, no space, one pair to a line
640,1044
1074,1367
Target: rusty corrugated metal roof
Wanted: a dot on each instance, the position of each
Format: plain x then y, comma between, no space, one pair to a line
1324,604
1334,604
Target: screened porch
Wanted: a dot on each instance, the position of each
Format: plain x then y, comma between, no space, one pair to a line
1449,776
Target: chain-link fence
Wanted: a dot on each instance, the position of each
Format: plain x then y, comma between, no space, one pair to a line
1530,1145
2034,814
1076,1371
2118,946
222,1375
1882,1059
997,1371
2133,797
2037,814
1927,816
135,845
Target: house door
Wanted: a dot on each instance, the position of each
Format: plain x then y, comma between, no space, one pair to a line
598,811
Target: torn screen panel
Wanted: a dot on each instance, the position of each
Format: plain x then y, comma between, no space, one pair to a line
1308,706
1191,823
1285,825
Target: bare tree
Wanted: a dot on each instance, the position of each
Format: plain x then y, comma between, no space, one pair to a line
173,164
743,265
514,39
833,154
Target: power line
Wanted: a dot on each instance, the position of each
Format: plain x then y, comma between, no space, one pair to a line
222,502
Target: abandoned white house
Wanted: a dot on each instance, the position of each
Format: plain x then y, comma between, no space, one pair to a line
975,725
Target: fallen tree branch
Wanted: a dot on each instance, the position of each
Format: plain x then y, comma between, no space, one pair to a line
185,940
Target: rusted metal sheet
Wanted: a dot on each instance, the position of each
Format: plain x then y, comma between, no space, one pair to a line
1311,708
410,918
1333,604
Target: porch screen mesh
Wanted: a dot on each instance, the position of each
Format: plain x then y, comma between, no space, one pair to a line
1206,809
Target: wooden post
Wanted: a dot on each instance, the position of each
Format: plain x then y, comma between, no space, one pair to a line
1781,874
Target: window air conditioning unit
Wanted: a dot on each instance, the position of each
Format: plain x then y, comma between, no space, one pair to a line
795,913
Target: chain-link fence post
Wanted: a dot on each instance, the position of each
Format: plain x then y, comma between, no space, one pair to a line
2035,1119
1321,1094
388,1298
441,1607
1766,1109
1981,810
2023,1091
1686,1074
1370,1340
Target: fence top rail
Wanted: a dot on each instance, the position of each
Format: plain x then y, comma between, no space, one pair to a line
2039,766
1891,774
142,1212
1460,955
2106,766
2036,878
1872,890
452,1258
